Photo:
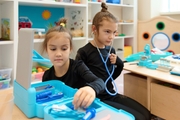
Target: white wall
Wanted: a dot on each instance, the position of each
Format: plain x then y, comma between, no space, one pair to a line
144,9
148,9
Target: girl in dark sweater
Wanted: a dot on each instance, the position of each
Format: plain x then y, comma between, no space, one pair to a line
74,73
100,56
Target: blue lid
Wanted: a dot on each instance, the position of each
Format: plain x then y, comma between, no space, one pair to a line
38,58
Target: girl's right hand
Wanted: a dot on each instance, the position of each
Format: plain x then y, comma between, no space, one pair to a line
84,97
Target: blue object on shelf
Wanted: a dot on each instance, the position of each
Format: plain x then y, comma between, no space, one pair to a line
38,58
113,1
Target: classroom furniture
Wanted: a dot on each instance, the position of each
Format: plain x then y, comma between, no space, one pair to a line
79,17
18,115
156,90
161,32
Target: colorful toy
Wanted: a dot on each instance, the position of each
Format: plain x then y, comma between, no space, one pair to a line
77,1
24,22
77,33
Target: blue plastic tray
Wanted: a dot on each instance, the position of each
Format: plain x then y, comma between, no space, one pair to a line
154,57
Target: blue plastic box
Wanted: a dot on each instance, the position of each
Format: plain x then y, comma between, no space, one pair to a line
26,100
113,1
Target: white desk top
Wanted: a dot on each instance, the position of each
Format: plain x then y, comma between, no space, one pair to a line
156,74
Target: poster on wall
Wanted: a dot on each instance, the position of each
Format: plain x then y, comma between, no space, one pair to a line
5,29
43,17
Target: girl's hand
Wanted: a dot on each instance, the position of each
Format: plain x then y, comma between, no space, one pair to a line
84,97
113,58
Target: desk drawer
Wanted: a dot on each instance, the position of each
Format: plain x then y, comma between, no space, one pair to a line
135,86
165,101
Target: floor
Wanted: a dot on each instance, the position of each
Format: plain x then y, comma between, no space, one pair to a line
120,81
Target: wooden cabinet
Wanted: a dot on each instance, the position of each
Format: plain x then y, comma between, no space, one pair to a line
135,87
165,101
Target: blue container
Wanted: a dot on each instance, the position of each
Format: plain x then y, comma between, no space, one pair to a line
113,1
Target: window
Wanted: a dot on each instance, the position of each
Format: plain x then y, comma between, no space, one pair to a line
170,6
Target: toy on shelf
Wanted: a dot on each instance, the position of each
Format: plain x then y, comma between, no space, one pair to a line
5,77
77,33
25,22
42,65
126,21
113,1
5,29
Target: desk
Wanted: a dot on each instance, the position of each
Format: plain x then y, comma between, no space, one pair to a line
145,86
18,115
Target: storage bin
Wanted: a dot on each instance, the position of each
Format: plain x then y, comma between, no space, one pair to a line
37,76
127,51
5,73
4,83
135,87
165,101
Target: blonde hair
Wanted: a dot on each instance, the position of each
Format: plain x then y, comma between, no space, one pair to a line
61,27
104,14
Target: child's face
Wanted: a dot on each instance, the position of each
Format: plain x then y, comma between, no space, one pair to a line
58,48
107,32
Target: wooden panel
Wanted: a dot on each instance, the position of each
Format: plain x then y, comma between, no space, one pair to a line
171,26
135,86
165,102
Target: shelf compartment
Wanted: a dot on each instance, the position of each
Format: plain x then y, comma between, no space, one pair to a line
110,4
50,4
6,42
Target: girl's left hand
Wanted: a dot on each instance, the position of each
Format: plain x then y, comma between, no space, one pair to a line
113,58
84,97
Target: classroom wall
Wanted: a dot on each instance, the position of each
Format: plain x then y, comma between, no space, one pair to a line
148,9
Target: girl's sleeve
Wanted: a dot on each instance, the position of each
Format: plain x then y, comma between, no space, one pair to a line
45,76
81,55
91,80
118,66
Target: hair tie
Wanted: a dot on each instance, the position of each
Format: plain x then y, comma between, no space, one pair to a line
62,24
